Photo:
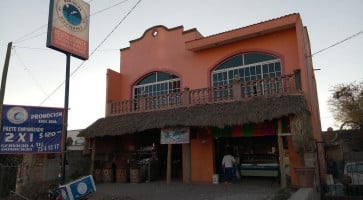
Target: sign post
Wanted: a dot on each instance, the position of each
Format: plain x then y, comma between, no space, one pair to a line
65,124
68,32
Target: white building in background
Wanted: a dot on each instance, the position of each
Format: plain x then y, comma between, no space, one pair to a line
78,142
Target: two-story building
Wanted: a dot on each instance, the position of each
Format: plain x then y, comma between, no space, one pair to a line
189,97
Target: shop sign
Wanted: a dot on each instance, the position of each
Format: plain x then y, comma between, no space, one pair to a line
78,189
68,27
27,129
174,136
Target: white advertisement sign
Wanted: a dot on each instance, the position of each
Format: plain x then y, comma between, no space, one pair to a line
68,27
174,136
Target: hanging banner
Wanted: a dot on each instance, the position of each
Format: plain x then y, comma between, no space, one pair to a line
68,27
27,129
174,136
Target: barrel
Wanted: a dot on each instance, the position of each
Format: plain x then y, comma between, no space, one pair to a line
121,175
135,176
98,175
107,175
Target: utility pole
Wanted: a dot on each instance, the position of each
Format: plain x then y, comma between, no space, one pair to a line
3,86
3,80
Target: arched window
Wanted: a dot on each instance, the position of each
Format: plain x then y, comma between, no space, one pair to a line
157,83
248,67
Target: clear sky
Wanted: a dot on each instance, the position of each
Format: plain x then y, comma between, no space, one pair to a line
35,72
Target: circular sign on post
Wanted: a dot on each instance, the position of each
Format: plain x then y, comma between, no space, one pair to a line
72,15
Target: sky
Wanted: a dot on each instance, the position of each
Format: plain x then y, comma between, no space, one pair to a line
36,73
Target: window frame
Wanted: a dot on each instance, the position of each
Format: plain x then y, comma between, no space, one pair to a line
249,72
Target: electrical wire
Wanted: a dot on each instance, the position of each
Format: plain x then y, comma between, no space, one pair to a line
98,46
107,8
27,37
22,38
30,74
337,43
47,49
32,48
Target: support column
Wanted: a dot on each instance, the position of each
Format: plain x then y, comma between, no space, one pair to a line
281,155
93,155
297,76
186,163
168,165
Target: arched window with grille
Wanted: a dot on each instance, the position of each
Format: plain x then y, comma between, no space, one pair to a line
249,67
158,84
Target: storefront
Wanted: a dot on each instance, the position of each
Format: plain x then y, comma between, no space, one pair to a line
138,157
255,148
196,153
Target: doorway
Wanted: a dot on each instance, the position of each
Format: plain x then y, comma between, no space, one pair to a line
255,156
176,161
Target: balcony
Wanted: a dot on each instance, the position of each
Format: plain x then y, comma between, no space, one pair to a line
237,91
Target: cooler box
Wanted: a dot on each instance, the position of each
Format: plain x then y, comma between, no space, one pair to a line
78,189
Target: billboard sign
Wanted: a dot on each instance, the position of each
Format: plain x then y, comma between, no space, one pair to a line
27,129
68,27
174,136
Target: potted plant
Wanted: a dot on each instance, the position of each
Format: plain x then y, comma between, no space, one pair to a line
304,144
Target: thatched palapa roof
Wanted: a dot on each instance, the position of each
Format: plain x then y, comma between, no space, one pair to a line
257,109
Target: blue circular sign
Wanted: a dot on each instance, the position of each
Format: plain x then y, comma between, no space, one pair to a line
72,14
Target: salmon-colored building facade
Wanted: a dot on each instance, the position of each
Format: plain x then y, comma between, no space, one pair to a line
241,89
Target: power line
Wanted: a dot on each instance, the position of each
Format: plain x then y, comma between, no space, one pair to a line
22,38
25,37
32,48
47,49
98,46
102,10
335,44
30,74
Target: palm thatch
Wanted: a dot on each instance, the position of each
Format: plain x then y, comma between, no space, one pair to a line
257,109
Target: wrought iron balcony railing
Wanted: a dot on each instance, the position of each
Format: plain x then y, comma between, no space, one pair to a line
237,91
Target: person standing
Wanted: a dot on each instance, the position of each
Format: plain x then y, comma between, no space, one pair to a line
228,162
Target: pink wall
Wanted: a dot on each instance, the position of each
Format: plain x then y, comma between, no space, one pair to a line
166,52
202,156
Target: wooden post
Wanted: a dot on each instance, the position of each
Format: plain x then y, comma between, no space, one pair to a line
168,164
93,155
281,155
186,163
4,77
